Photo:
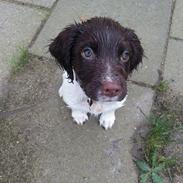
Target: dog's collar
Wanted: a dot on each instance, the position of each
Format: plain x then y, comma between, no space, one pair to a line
90,101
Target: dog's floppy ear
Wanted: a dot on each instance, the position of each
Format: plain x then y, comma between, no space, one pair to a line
61,48
137,50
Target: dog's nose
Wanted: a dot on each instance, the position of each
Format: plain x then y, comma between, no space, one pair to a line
111,89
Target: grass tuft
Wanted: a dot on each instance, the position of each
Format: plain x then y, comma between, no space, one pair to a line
162,87
154,163
18,61
159,135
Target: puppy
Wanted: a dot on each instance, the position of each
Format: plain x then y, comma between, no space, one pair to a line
97,56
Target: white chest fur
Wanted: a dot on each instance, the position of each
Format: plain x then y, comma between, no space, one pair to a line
76,99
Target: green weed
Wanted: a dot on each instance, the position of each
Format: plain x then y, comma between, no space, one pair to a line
162,86
159,135
154,164
152,170
18,61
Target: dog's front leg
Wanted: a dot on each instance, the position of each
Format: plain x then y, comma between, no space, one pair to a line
79,116
107,119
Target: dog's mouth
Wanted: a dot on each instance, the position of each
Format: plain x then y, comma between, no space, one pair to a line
106,99
110,99
103,98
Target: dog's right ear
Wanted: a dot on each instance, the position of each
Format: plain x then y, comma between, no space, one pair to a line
61,48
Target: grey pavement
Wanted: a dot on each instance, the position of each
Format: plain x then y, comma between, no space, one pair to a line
174,66
177,26
39,142
18,25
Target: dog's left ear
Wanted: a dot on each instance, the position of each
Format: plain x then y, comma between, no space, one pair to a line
61,48
137,50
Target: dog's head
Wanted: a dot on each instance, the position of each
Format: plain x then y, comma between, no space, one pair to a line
100,54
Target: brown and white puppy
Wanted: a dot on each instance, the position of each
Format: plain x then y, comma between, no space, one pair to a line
97,56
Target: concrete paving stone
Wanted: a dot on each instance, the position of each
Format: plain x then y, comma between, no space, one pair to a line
177,23
44,3
18,25
149,18
63,151
27,88
173,66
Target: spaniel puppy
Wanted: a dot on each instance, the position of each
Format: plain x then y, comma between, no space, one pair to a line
97,56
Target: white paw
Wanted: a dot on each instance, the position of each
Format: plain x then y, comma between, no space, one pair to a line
79,117
107,120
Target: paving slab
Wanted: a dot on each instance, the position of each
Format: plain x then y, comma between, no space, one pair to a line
18,25
150,19
177,23
51,148
173,66
44,3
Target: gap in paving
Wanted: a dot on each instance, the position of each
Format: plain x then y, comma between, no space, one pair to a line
142,84
42,25
38,31
27,4
176,38
162,66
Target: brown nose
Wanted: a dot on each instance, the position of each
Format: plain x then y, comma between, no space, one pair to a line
111,89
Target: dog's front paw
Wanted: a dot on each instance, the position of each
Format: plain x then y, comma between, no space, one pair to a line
79,117
107,120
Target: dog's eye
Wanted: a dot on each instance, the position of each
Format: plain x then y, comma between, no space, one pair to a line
125,56
87,53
